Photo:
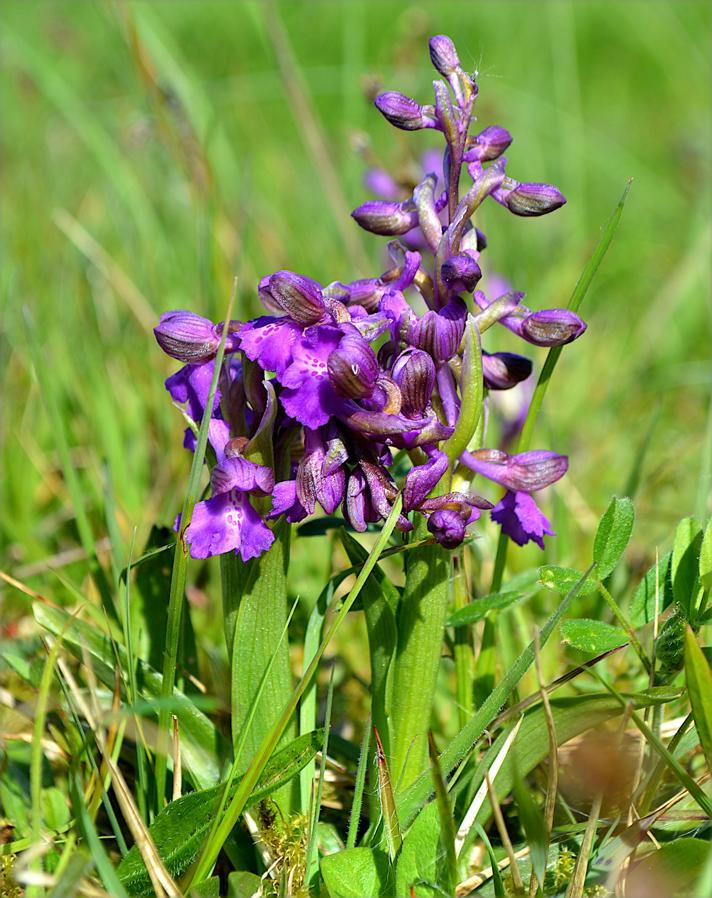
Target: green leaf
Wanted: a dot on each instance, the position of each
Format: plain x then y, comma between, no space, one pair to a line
685,565
179,829
54,808
472,389
699,687
479,608
676,866
422,863
356,873
78,866
562,579
208,888
614,530
255,610
642,606
202,746
242,884
706,557
592,636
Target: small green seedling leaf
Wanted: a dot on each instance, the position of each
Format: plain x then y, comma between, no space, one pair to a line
422,868
699,687
562,579
612,536
592,636
178,831
686,564
642,606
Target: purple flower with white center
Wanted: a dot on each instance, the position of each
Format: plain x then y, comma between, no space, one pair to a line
309,396
521,518
227,521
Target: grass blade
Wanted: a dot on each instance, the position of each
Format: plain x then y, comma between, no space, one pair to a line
699,688
359,787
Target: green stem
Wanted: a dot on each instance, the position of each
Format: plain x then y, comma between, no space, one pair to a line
421,625
464,655
630,632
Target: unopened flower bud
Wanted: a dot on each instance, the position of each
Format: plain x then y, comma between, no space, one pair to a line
448,527
187,337
401,111
386,218
530,200
443,55
504,370
461,273
297,296
414,372
552,327
488,144
353,368
367,292
439,333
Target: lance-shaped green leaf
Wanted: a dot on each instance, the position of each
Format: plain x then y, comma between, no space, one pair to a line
706,557
612,536
472,391
685,566
592,636
562,579
179,828
477,609
656,582
699,688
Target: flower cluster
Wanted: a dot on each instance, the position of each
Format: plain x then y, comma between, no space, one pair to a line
345,394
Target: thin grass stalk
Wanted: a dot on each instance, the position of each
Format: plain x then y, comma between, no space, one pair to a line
580,290
447,824
262,756
389,811
517,881
464,655
359,786
180,571
311,863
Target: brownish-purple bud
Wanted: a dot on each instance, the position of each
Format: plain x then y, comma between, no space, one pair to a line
297,296
353,368
187,337
488,144
414,372
504,370
443,55
530,200
552,327
401,111
460,273
386,218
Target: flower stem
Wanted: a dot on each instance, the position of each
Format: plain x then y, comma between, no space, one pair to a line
464,655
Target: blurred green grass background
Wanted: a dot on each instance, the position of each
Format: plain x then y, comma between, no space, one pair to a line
152,151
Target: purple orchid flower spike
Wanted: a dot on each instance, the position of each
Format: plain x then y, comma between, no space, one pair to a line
521,518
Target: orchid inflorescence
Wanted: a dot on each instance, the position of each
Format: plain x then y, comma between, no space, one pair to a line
357,395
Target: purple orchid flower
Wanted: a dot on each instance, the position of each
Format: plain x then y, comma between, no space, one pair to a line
521,518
